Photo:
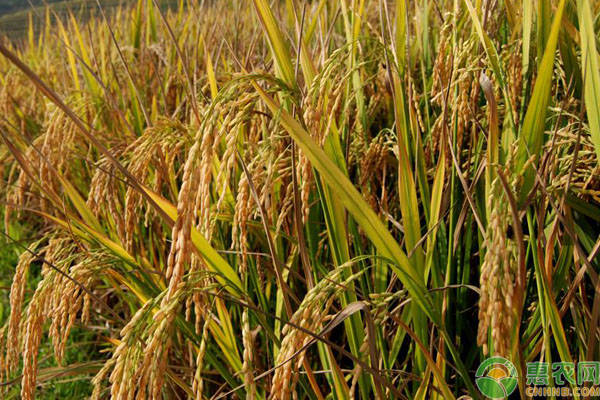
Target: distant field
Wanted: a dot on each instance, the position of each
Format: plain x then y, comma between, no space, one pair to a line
14,14
10,6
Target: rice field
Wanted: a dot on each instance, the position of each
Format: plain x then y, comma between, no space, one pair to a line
334,199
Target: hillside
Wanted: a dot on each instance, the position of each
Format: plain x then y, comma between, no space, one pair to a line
14,14
11,6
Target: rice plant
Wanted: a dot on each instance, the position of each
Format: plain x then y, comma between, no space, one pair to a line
335,199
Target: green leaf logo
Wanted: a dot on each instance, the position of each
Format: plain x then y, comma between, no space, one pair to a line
497,378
